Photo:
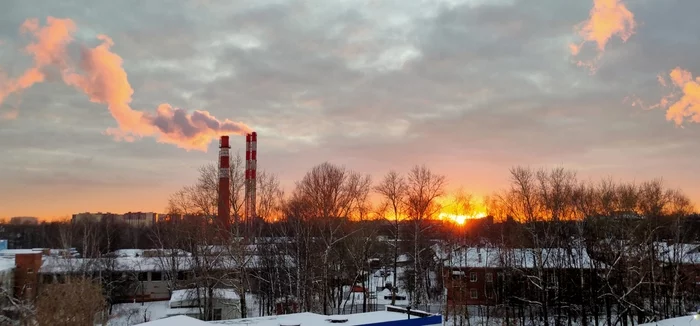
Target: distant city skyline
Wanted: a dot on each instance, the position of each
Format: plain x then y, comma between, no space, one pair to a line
105,114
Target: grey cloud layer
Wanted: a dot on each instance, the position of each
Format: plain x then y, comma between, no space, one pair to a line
491,80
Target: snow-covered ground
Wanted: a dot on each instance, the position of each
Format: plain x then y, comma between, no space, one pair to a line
692,320
127,314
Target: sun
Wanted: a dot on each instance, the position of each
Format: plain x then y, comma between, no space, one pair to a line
460,208
461,219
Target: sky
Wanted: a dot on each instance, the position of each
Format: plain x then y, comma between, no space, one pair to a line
112,105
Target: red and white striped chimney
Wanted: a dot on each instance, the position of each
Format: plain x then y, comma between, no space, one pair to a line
224,200
253,173
246,184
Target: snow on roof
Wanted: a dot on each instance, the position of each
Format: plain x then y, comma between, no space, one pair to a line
308,319
403,258
149,252
13,252
190,294
683,253
121,264
692,320
6,264
176,321
128,252
143,264
493,257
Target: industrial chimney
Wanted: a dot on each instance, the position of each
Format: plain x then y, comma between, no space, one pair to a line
224,211
251,162
253,174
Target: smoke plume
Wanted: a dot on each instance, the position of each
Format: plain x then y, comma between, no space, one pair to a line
686,104
606,19
99,74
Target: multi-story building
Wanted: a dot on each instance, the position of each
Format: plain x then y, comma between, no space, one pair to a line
132,218
140,218
24,220
177,218
96,217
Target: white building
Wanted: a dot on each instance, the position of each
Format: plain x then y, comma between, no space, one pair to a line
226,303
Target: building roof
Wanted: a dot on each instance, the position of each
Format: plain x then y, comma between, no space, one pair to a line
176,321
6,264
308,319
128,263
691,320
14,252
679,253
190,294
149,252
493,257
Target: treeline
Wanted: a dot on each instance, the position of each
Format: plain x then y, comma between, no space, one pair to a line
590,253
331,232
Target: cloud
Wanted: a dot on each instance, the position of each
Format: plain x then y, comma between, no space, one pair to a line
686,105
48,49
101,77
468,87
607,18
9,115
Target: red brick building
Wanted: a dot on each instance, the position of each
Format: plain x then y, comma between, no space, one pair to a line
490,276
469,275
27,275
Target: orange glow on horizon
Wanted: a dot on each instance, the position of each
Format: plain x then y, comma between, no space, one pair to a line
461,219
460,207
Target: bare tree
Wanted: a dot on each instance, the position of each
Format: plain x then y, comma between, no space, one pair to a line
171,238
393,190
237,181
269,196
423,187
79,302
329,194
24,309
202,197
463,203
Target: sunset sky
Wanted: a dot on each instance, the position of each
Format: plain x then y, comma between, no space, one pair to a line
98,99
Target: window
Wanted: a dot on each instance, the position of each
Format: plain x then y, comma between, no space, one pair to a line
489,294
30,271
472,277
480,258
217,314
489,277
474,294
143,276
156,276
